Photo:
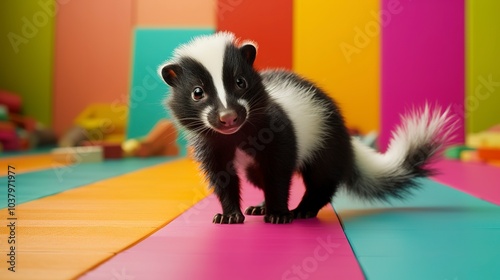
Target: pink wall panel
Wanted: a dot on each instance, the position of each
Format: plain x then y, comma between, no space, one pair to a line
92,61
174,13
422,60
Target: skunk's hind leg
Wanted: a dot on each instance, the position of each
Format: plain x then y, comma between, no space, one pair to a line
320,185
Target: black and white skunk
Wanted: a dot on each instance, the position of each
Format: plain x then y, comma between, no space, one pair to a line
267,125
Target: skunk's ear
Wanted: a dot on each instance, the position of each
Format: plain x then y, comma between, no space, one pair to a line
171,74
248,51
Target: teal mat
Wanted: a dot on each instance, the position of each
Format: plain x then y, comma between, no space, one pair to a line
152,47
439,233
37,151
34,185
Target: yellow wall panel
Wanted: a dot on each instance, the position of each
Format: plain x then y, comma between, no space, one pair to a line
337,45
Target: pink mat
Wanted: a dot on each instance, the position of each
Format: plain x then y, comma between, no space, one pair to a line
479,180
191,247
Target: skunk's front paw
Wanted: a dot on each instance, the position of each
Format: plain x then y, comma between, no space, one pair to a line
278,218
256,210
235,218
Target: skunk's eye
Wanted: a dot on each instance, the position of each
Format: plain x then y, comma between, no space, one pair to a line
241,82
198,94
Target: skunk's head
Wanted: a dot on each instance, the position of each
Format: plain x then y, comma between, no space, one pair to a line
214,86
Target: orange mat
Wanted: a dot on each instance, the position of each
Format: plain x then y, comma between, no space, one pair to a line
26,163
64,235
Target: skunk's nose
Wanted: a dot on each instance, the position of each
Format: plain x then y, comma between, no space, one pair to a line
228,117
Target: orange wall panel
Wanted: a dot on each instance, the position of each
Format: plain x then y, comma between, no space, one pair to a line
174,13
92,56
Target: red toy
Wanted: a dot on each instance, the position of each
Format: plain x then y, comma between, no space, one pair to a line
110,150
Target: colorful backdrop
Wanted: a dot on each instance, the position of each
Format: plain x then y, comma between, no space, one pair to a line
378,58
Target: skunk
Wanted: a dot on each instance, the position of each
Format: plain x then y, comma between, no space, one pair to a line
267,125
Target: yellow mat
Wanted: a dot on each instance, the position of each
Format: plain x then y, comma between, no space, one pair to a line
26,163
64,235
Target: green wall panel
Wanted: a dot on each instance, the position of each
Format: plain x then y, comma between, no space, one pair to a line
152,47
26,54
483,64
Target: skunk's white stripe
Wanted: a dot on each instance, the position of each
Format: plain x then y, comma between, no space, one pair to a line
304,111
209,51
244,103
204,116
221,92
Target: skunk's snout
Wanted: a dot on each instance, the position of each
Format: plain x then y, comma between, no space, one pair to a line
228,117
225,120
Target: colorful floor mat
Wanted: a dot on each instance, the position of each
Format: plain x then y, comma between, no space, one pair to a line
55,178
64,235
479,180
136,219
439,233
26,163
192,248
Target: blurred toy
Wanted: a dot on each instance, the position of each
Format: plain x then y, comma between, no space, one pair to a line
17,131
73,137
7,126
43,136
104,122
484,139
73,155
470,156
11,100
4,113
130,147
487,146
489,154
98,123
8,136
161,141
110,150
454,152
25,122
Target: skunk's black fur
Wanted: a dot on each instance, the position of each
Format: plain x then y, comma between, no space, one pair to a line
268,125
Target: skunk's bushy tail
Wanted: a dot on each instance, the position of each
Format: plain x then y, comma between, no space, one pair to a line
414,144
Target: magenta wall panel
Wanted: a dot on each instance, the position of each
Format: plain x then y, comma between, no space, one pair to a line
422,60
